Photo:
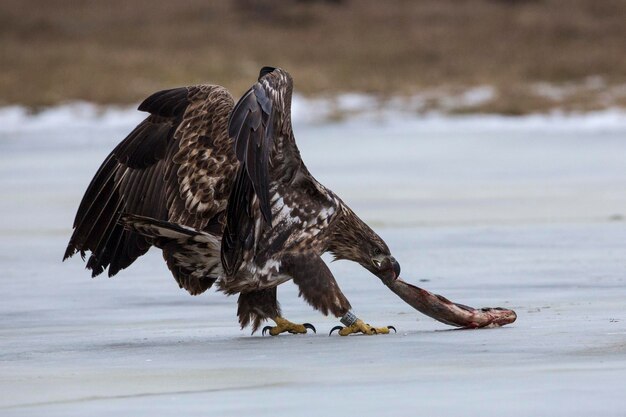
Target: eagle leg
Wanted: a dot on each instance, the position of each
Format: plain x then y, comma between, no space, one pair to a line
359,326
316,283
284,325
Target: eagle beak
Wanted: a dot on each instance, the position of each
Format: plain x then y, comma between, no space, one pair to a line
388,269
396,267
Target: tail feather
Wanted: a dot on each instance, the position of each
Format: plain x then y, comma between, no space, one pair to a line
192,255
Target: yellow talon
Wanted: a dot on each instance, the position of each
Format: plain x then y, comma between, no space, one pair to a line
284,325
361,327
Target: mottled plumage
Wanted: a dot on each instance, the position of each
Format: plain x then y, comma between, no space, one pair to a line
222,190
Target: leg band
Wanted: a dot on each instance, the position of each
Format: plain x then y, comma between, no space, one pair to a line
349,319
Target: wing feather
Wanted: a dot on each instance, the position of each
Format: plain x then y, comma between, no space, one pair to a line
163,170
260,124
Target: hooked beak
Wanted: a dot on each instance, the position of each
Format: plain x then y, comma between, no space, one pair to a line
389,269
396,267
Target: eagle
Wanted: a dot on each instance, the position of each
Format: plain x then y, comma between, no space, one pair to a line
222,190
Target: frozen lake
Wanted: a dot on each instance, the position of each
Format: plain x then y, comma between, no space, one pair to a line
521,213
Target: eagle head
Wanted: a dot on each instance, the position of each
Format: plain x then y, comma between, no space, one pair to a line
354,240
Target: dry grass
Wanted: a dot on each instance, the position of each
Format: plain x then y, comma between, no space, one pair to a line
119,51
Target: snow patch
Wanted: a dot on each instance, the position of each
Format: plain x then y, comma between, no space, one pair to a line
346,109
69,116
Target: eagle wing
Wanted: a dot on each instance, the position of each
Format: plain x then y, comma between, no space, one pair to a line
177,166
265,146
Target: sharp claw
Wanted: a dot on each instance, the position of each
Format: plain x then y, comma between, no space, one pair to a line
309,326
333,329
392,328
265,329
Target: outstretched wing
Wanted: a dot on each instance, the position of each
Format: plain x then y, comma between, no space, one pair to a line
177,165
260,124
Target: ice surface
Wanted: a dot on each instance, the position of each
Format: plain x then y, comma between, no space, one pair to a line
521,213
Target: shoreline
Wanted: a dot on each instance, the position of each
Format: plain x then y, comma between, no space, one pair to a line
342,109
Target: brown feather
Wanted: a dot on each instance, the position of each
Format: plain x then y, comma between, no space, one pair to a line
141,175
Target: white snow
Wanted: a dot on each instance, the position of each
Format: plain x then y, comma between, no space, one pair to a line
355,108
525,213
73,115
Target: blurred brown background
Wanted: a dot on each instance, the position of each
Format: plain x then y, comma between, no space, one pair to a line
538,55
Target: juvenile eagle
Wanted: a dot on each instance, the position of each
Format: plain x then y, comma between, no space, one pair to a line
222,191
